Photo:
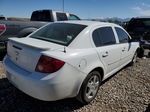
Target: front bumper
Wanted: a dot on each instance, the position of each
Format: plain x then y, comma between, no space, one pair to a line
47,87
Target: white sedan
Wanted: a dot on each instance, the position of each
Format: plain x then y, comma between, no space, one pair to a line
68,59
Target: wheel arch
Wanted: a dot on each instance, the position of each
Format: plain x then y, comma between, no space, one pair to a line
101,72
99,69
26,31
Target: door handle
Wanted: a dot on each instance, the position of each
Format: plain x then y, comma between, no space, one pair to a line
105,55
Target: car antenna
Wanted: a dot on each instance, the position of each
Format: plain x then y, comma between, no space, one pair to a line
64,49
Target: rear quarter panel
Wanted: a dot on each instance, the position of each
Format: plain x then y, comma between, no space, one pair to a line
84,60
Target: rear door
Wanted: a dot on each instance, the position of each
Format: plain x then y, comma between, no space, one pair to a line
127,50
106,45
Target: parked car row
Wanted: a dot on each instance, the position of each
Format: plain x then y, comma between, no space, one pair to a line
68,59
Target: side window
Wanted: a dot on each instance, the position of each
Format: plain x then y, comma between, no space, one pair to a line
61,16
122,35
73,17
104,36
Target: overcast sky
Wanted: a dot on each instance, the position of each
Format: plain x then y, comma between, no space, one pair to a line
83,8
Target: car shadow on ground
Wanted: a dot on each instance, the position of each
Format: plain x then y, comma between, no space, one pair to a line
13,100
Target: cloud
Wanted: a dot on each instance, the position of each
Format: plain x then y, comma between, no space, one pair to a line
141,11
145,5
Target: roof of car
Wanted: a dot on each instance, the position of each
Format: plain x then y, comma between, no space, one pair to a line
88,23
141,18
51,10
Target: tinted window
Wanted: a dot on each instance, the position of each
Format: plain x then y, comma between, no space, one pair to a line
146,22
122,35
104,36
73,17
60,33
61,16
2,18
96,38
135,25
41,16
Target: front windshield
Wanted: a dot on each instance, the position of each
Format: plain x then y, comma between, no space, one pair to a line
60,33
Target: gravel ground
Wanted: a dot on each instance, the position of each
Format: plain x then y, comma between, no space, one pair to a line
126,91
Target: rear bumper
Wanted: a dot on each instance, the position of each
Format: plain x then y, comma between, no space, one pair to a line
47,87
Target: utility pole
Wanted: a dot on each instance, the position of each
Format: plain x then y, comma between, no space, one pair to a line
63,5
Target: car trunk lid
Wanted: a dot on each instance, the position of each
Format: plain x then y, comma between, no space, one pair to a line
25,52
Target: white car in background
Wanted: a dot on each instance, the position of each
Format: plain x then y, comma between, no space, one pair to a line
68,59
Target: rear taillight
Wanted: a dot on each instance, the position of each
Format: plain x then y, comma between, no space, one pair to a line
2,28
48,65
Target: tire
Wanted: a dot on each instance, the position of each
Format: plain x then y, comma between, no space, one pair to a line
89,88
134,59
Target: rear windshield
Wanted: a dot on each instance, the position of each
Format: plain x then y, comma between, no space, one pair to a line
60,33
41,16
2,18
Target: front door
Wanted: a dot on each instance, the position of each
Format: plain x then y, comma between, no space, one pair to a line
126,46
